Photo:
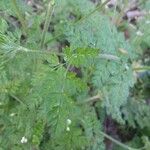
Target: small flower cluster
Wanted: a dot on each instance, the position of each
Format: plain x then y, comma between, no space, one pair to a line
68,122
24,140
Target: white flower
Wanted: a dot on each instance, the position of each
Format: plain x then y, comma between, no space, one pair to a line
24,140
68,129
12,114
127,67
68,121
139,33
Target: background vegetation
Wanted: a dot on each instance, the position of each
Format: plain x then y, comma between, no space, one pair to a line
74,75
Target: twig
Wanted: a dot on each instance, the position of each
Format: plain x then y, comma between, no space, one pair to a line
90,100
17,99
119,143
142,68
50,11
109,57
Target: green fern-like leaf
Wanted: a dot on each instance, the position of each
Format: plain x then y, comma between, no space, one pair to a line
136,113
112,76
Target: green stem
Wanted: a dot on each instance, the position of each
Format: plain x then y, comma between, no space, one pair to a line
50,11
20,16
26,50
119,143
18,100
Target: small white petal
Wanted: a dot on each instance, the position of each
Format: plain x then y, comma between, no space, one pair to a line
24,140
68,129
68,121
127,67
12,114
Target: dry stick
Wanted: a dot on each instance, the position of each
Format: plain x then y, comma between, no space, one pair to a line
20,16
89,100
109,57
50,11
142,68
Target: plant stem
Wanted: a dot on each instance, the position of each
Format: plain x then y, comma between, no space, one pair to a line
91,99
20,16
142,68
18,100
26,50
119,143
50,11
109,57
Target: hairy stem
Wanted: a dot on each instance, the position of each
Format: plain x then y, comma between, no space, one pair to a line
20,16
90,100
50,11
